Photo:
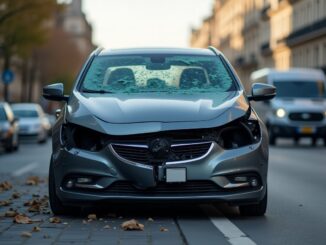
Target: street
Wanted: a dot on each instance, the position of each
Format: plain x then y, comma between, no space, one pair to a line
295,212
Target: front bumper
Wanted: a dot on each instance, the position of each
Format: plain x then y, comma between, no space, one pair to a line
108,171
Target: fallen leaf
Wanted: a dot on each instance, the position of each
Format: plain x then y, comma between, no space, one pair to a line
55,220
36,229
46,236
5,203
65,223
131,225
15,195
150,219
22,219
11,213
33,180
5,186
84,222
26,234
92,217
163,229
107,227
35,208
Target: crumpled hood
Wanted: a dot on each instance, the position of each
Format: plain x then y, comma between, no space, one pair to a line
154,112
300,104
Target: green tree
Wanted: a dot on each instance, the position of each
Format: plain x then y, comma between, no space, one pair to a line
23,26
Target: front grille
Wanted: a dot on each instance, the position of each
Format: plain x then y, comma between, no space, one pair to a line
306,116
177,152
162,188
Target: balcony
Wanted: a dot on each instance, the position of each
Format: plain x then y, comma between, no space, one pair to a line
265,49
242,62
307,33
264,13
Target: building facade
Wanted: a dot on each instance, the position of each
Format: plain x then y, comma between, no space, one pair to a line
254,34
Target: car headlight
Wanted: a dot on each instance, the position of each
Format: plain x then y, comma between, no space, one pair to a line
280,113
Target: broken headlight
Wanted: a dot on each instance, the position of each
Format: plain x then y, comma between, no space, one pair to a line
73,135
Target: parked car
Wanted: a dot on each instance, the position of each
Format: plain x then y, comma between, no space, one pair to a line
158,125
33,124
299,109
8,128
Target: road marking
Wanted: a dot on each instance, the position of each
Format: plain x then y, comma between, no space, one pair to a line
231,232
25,169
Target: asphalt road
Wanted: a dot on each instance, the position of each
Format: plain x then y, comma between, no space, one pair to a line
296,207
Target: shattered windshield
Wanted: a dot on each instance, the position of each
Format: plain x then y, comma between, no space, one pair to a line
157,73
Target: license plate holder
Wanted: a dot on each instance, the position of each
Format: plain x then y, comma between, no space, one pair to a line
174,175
307,130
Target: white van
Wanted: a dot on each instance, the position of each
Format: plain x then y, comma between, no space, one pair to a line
299,108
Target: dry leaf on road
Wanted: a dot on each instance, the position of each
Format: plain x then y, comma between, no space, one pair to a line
11,213
55,220
92,217
36,229
107,227
15,195
26,234
33,180
5,186
5,203
150,219
22,219
131,225
163,229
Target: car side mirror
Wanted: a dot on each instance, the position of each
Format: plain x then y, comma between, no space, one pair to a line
55,92
261,91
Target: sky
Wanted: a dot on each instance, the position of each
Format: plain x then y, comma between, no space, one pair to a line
140,23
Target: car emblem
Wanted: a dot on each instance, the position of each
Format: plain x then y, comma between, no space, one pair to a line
305,116
159,147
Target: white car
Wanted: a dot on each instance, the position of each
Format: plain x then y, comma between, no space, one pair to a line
33,123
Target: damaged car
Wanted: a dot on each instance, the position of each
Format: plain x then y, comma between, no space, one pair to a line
158,125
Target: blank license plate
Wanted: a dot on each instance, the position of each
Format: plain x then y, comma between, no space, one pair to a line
175,175
307,130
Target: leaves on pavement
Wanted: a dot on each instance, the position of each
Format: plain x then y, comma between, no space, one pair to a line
11,213
5,203
5,186
163,229
22,219
91,217
33,180
55,220
26,234
15,195
36,229
132,225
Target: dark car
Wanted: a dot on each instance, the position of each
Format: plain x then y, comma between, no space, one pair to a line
8,128
158,125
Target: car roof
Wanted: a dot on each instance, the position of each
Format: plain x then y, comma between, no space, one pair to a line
163,51
300,74
25,106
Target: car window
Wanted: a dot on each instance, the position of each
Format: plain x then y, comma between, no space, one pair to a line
25,113
300,89
3,116
158,73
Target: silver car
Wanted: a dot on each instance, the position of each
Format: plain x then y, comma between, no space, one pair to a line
299,109
33,124
158,125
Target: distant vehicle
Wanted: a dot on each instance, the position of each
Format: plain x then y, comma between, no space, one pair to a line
8,128
33,124
299,109
158,124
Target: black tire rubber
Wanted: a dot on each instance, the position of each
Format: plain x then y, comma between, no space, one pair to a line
272,138
258,209
55,204
313,141
324,141
10,147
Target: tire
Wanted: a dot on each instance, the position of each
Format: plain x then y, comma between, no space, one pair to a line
55,204
10,147
324,141
313,141
272,137
258,209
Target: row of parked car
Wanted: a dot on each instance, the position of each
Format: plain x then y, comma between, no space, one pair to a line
23,121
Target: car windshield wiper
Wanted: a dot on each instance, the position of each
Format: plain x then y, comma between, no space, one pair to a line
101,91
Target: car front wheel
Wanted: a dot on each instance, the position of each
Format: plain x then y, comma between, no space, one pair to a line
258,209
